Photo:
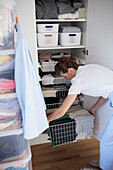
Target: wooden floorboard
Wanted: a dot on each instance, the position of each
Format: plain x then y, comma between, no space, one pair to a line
72,156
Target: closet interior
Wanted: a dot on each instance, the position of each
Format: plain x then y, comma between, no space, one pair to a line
62,32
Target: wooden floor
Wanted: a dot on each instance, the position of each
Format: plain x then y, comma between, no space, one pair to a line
72,156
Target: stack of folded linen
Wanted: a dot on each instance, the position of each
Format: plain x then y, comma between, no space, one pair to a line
45,56
7,86
79,112
10,114
59,9
7,83
69,9
7,62
49,92
84,122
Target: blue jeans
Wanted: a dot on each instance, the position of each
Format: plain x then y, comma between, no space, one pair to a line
106,143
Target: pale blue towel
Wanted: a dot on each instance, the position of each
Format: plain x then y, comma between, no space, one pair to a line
7,104
28,90
106,143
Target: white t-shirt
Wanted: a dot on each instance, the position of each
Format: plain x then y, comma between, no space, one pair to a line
92,80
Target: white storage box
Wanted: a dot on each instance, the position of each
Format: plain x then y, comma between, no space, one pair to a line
70,39
12,145
22,163
47,27
47,39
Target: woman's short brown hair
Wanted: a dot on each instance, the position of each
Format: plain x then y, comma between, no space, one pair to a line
64,63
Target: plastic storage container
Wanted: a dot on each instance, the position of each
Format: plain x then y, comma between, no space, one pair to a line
7,24
47,39
12,145
47,28
70,39
22,163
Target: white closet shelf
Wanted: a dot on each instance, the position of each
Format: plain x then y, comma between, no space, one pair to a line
8,96
60,47
59,20
7,52
11,132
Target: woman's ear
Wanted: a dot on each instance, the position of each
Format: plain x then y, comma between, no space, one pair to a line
70,70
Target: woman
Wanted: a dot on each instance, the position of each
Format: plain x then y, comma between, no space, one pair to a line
92,80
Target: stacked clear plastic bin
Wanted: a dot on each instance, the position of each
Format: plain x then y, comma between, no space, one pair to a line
14,149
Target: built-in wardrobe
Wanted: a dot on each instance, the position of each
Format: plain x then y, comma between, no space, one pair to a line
96,47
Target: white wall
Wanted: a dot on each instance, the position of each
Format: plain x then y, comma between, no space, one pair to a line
100,48
26,14
100,32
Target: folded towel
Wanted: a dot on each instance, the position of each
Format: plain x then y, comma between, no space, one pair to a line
68,16
69,29
5,59
78,113
49,92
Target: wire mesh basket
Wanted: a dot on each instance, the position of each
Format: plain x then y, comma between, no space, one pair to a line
62,131
59,80
48,66
69,130
55,81
62,93
53,105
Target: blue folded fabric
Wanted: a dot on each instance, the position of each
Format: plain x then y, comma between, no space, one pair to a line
7,74
7,104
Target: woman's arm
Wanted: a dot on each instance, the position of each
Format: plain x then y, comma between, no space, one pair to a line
99,102
63,108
